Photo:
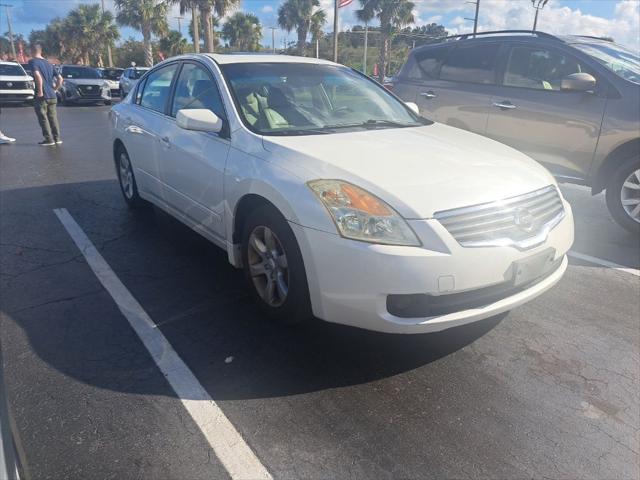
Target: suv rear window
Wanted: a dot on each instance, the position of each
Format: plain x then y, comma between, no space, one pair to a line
426,64
473,63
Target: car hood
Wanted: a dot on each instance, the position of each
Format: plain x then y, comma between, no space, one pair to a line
15,78
85,81
418,171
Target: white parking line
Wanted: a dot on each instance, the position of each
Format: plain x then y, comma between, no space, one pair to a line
230,448
604,263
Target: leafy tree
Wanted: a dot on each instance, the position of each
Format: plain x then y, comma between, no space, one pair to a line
243,32
91,30
393,15
298,15
173,44
147,16
211,9
192,6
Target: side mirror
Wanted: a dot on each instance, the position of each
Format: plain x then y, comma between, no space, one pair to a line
413,107
199,119
578,82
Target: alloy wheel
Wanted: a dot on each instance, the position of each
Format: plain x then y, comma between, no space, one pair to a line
630,195
268,266
126,176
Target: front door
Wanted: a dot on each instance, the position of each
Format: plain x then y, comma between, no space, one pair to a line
532,114
192,163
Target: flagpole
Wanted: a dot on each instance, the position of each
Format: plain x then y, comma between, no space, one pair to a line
335,30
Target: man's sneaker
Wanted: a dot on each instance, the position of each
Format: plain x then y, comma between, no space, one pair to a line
47,143
5,139
58,142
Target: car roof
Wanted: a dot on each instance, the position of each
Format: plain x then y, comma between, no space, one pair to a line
225,59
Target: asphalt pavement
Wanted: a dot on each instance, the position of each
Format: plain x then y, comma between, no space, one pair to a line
550,390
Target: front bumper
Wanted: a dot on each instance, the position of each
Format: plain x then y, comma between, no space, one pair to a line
351,282
7,96
75,97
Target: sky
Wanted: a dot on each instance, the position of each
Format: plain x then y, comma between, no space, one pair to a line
619,19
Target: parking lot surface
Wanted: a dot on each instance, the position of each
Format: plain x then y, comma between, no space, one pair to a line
550,390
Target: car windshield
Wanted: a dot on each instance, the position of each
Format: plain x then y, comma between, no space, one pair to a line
308,99
12,70
136,73
619,60
111,73
79,72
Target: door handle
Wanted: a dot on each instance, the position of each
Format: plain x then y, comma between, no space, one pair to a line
134,129
505,105
428,94
165,141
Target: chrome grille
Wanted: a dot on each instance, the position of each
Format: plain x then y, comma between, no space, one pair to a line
90,90
11,85
523,221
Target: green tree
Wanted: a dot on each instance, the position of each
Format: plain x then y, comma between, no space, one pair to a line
211,9
173,43
243,32
298,15
147,16
91,30
190,6
393,15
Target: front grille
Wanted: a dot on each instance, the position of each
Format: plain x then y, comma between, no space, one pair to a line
523,221
11,85
90,90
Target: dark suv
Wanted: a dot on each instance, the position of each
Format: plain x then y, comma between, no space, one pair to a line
571,103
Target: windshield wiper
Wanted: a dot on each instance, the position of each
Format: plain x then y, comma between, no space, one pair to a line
374,123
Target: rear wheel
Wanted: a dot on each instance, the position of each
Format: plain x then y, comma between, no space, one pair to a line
274,268
127,180
623,195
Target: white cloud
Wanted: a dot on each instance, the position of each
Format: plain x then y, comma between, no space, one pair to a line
267,9
624,26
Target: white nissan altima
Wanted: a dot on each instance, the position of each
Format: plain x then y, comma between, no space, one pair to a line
335,197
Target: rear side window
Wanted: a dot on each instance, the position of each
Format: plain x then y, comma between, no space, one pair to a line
427,64
157,88
540,68
473,63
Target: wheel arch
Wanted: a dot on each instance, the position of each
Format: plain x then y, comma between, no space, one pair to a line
612,161
117,145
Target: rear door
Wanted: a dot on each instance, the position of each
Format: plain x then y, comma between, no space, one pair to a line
192,163
458,84
532,114
144,122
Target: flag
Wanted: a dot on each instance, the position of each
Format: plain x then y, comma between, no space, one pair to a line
344,3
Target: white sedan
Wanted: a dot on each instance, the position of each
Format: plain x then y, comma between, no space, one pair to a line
335,197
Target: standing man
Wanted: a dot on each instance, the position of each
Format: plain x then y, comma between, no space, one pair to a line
47,82
4,138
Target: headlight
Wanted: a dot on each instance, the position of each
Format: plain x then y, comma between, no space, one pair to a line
31,85
359,215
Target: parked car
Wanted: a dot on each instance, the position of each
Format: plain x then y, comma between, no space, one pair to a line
83,85
11,466
112,77
569,102
335,197
129,78
15,84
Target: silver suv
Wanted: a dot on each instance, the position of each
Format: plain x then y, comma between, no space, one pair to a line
572,103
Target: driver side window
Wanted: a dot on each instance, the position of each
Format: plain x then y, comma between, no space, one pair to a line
196,89
539,68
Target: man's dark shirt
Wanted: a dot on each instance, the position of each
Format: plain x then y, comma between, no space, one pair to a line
48,76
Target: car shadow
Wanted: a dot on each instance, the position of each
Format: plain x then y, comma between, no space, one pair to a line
194,296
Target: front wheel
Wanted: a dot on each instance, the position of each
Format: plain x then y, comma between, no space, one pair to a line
127,180
274,268
623,195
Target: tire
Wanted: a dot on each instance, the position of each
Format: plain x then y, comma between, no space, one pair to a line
628,172
127,180
294,307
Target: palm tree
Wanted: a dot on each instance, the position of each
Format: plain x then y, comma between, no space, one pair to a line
91,29
208,8
297,15
393,14
243,32
318,19
173,43
186,5
148,16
